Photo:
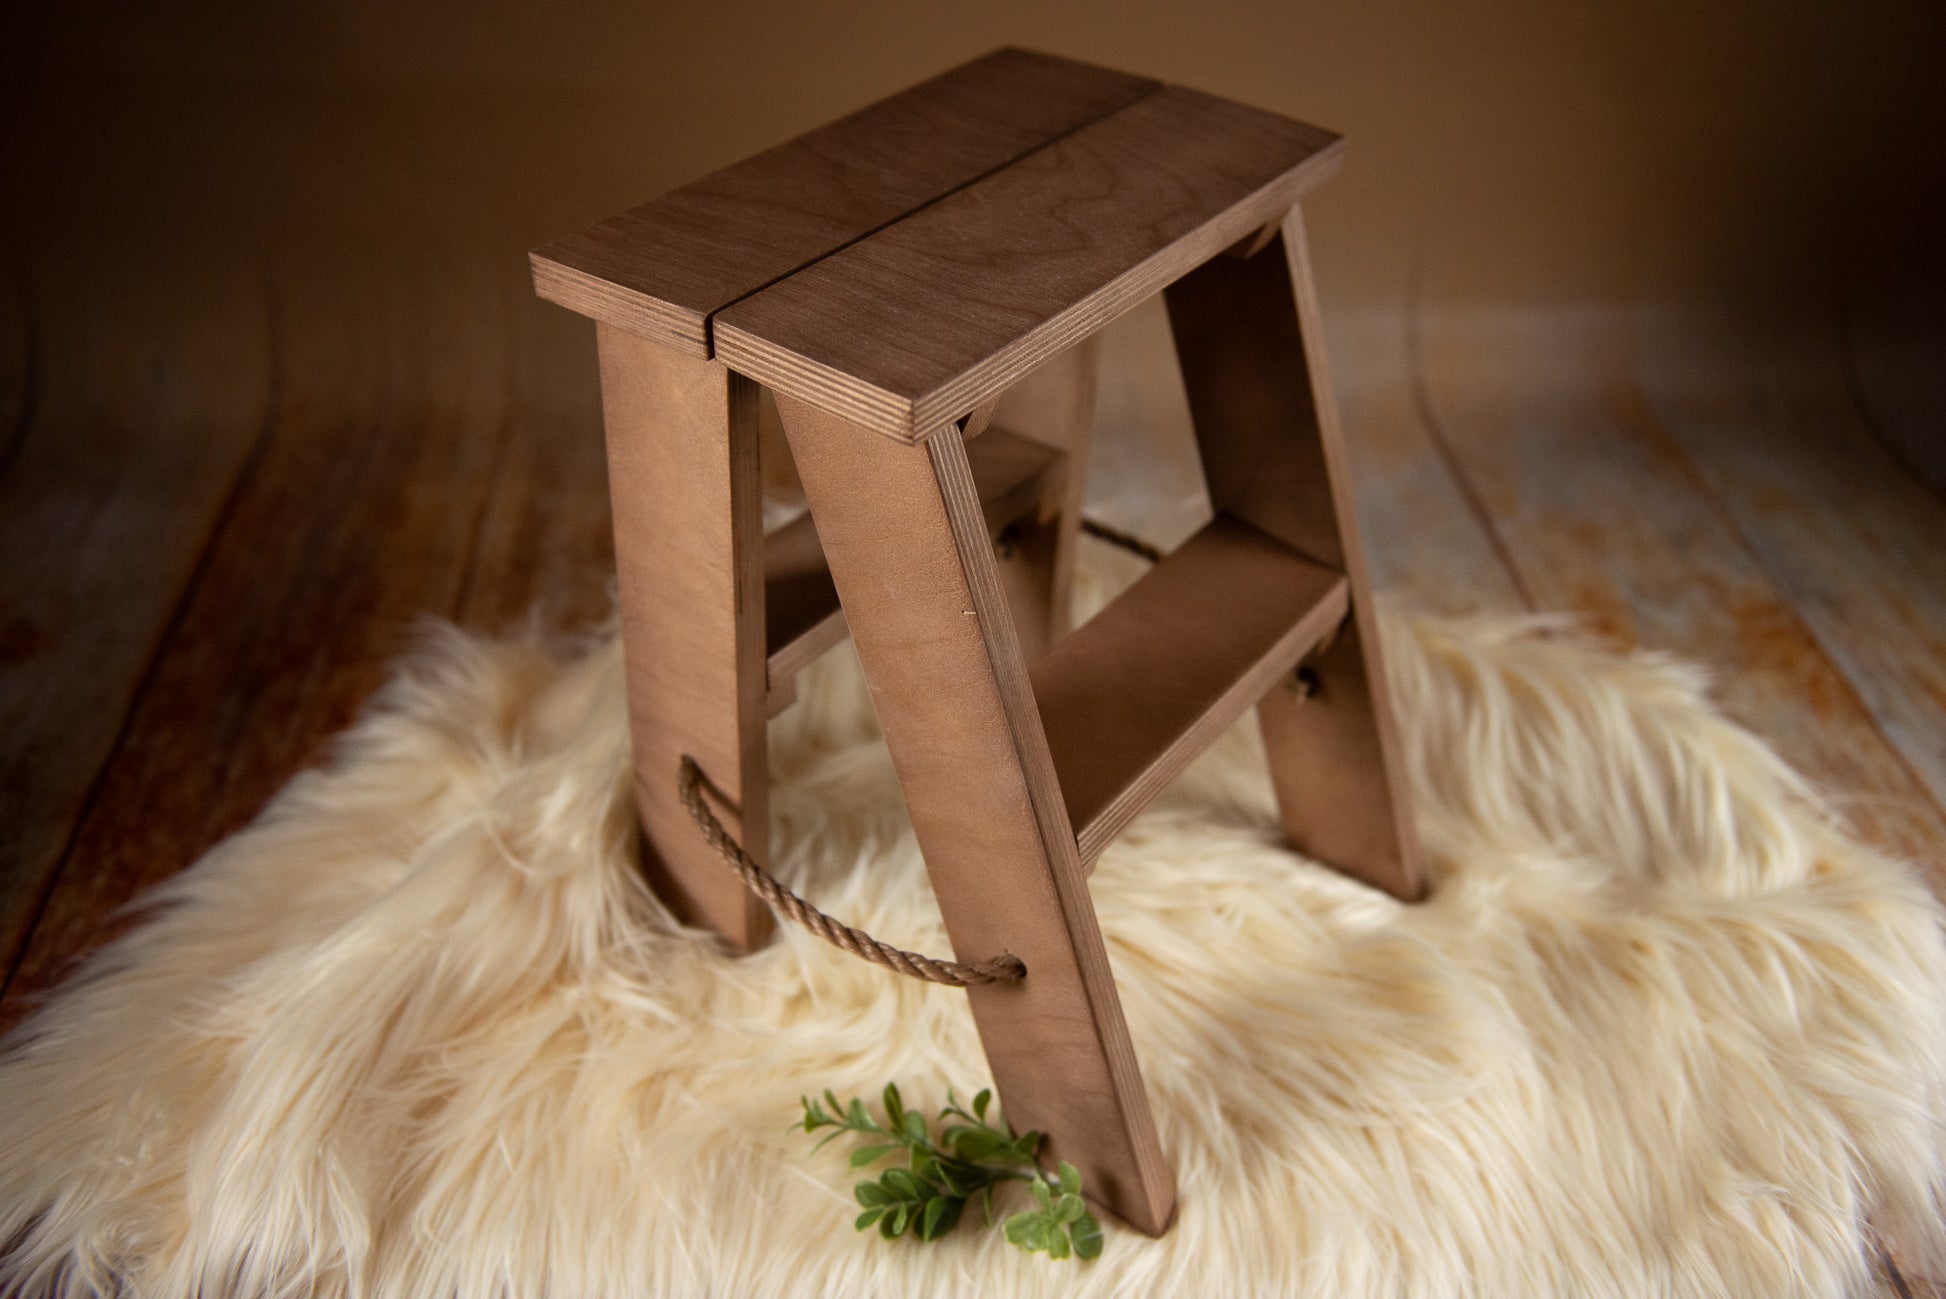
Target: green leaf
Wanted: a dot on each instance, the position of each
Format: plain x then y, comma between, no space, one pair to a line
1087,1237
866,1154
971,1156
903,1184
1023,1229
975,1144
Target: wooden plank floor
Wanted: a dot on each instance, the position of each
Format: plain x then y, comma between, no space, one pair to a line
233,477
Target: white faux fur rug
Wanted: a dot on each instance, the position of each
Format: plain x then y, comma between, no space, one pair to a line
1661,1029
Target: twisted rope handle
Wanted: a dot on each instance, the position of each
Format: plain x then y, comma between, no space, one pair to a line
689,788
1001,969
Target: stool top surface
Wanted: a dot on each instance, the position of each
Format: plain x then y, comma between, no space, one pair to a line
662,269
818,269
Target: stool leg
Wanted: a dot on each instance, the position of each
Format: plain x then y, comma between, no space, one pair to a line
909,551
683,477
1251,345
1055,405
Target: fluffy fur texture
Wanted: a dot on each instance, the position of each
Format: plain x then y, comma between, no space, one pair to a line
1661,1030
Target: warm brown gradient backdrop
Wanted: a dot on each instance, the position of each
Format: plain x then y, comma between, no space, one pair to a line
1510,150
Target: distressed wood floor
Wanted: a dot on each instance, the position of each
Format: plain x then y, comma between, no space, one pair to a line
231,484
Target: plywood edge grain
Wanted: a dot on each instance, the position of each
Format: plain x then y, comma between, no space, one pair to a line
585,292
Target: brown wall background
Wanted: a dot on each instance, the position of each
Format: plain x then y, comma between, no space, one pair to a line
1507,149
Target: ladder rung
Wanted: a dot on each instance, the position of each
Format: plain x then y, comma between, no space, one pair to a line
802,620
1132,696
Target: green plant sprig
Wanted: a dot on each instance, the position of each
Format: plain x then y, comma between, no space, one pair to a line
929,1192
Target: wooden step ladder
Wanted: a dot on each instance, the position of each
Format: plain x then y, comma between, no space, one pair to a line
917,285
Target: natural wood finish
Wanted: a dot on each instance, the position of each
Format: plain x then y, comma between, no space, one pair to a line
1605,514
376,442
1054,405
663,268
1863,559
1143,687
1033,258
1251,343
544,556
1016,478
1429,540
144,418
688,505
913,562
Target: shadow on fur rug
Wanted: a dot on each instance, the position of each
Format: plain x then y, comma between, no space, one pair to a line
1660,1030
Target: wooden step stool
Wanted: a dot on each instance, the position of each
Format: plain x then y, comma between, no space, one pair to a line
915,284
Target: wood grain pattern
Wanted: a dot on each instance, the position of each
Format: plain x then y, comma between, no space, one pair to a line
686,493
544,555
1251,340
378,440
1863,559
1425,539
663,268
151,397
1138,691
1055,406
913,562
1024,263
1605,514
1014,477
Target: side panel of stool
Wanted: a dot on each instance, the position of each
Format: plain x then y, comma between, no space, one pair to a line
683,475
910,554
1055,405
1249,338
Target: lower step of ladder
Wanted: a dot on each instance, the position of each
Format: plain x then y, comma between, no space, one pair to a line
1133,695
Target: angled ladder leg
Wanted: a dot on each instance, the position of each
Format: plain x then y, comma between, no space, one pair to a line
683,476
1248,336
913,562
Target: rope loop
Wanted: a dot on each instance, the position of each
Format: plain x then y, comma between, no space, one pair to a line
689,788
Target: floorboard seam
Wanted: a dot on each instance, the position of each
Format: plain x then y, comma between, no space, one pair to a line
273,400
1653,427
1441,444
